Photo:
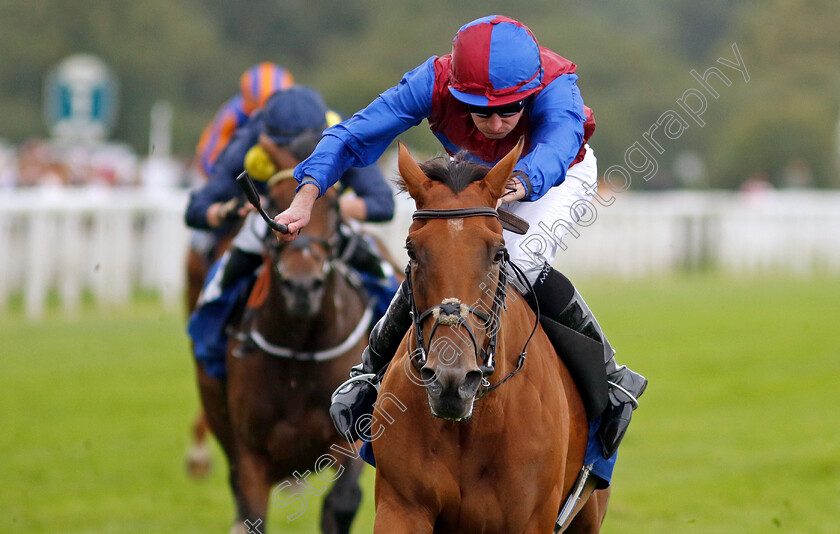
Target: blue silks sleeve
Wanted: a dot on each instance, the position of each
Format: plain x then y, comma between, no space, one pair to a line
221,184
361,140
369,185
557,119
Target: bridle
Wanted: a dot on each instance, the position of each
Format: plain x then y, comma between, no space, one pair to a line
333,262
303,241
452,312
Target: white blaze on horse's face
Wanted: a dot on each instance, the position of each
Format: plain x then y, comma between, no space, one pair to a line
455,226
302,274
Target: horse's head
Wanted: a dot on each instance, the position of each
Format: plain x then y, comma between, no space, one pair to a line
302,267
456,274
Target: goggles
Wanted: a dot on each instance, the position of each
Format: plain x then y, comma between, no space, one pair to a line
508,110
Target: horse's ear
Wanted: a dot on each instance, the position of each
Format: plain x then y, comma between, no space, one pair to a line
498,176
413,177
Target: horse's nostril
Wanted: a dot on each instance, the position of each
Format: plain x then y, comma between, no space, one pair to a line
471,382
427,375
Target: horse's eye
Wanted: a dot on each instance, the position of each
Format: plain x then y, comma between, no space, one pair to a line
410,251
500,256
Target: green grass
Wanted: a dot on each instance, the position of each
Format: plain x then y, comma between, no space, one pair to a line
739,431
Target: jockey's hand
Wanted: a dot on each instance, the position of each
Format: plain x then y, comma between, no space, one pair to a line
352,207
227,212
297,215
514,190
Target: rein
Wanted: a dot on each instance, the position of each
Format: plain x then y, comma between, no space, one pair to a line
486,387
452,312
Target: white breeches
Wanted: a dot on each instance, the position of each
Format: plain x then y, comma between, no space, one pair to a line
551,217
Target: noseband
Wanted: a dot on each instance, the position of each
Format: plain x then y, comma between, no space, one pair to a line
452,312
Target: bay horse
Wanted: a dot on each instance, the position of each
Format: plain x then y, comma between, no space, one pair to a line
306,323
489,441
199,459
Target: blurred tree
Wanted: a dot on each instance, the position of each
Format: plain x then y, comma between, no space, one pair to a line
158,49
790,108
696,27
293,33
633,61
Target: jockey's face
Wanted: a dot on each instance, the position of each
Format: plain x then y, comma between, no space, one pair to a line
279,154
495,126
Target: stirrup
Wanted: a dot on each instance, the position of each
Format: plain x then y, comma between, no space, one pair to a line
350,402
370,378
631,398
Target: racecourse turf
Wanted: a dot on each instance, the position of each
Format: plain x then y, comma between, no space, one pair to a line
739,431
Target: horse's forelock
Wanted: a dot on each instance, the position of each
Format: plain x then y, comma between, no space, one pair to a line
456,173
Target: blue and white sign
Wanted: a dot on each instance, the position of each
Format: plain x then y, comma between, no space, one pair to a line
80,99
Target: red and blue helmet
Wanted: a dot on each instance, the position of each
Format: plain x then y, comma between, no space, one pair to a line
495,61
260,82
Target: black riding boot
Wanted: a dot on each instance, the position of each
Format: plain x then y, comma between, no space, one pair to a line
355,397
560,303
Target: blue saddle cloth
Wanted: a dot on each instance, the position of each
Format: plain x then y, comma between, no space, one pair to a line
207,323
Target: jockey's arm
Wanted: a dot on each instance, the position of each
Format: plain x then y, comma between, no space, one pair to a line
373,200
212,205
557,118
297,215
359,142
352,207
209,206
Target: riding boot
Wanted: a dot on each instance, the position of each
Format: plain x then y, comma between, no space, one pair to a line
624,387
355,397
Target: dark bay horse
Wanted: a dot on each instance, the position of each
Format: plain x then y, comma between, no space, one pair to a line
474,451
306,323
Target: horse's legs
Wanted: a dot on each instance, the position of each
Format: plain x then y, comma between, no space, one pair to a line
395,516
196,273
199,459
252,487
591,516
213,393
342,502
199,428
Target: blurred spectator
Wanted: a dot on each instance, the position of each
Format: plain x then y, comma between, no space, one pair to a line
42,162
34,163
8,166
756,189
798,174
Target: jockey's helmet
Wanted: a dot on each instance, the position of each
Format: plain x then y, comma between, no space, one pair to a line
292,112
259,82
495,61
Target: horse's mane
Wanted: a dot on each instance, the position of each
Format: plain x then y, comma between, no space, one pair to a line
455,172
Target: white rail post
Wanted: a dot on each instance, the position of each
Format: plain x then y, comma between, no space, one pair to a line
37,264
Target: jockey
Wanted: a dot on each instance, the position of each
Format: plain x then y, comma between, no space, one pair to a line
255,86
276,137
496,86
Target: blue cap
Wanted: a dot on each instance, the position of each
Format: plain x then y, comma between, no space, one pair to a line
292,112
